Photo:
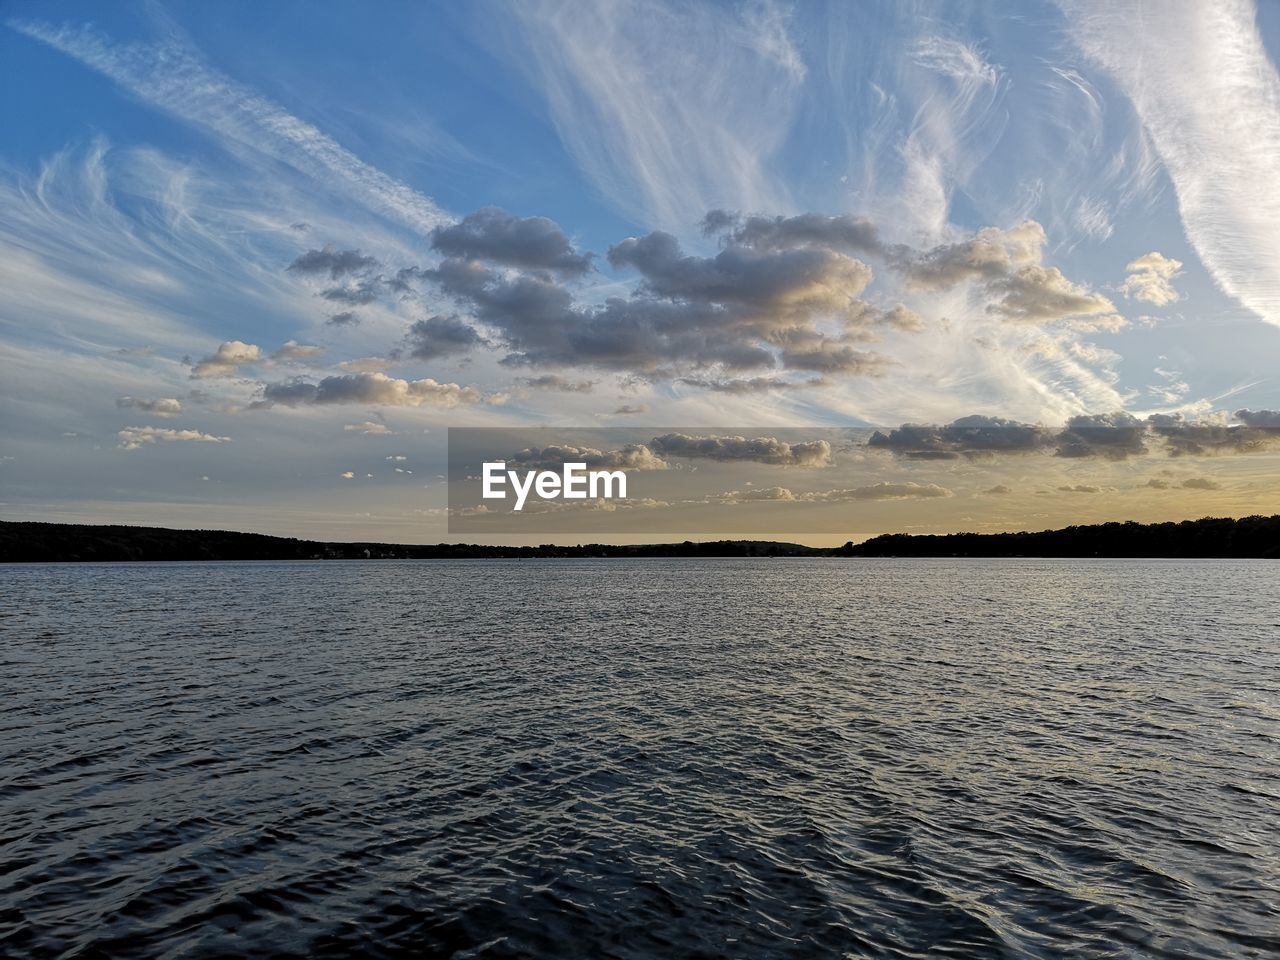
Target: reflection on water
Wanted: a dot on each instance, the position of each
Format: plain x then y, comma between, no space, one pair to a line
638,758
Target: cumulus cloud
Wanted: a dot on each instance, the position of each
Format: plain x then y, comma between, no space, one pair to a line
230,356
757,303
1150,278
636,456
371,388
1080,488
437,337
771,450
1114,436
1265,420
331,263
164,407
132,438
969,436
630,409
492,234
1007,265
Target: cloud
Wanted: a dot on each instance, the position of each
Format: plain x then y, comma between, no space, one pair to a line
999,489
1265,420
1007,265
1080,488
437,337
969,436
629,409
553,381
179,81
132,438
636,456
668,108
533,243
1179,70
165,407
882,491
344,319
230,356
814,453
335,264
1113,436
359,293
1150,278
1190,483
371,388
373,428
746,385
876,491
347,475
294,352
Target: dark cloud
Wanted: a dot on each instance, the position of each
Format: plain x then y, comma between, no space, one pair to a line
1113,436
336,264
533,243
1208,435
791,283
628,409
969,436
848,234
437,337
358,294
1268,420
344,319
814,453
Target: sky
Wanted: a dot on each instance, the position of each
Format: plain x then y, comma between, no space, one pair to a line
257,259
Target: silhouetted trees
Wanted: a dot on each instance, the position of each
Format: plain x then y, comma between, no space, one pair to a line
66,542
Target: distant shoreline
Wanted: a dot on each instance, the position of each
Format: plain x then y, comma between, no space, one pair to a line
1225,538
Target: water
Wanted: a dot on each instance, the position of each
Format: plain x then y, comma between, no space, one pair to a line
729,758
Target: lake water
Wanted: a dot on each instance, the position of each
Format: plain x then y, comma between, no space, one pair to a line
726,758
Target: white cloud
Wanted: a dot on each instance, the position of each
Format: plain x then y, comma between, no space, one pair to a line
132,438
1150,278
177,80
230,356
1199,76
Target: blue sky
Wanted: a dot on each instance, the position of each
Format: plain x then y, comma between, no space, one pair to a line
1036,212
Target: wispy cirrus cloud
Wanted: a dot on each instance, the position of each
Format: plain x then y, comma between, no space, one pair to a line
1207,94
178,80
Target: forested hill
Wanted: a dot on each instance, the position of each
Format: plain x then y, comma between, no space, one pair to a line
1246,537
65,542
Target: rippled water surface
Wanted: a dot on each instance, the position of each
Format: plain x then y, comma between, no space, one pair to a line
690,758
